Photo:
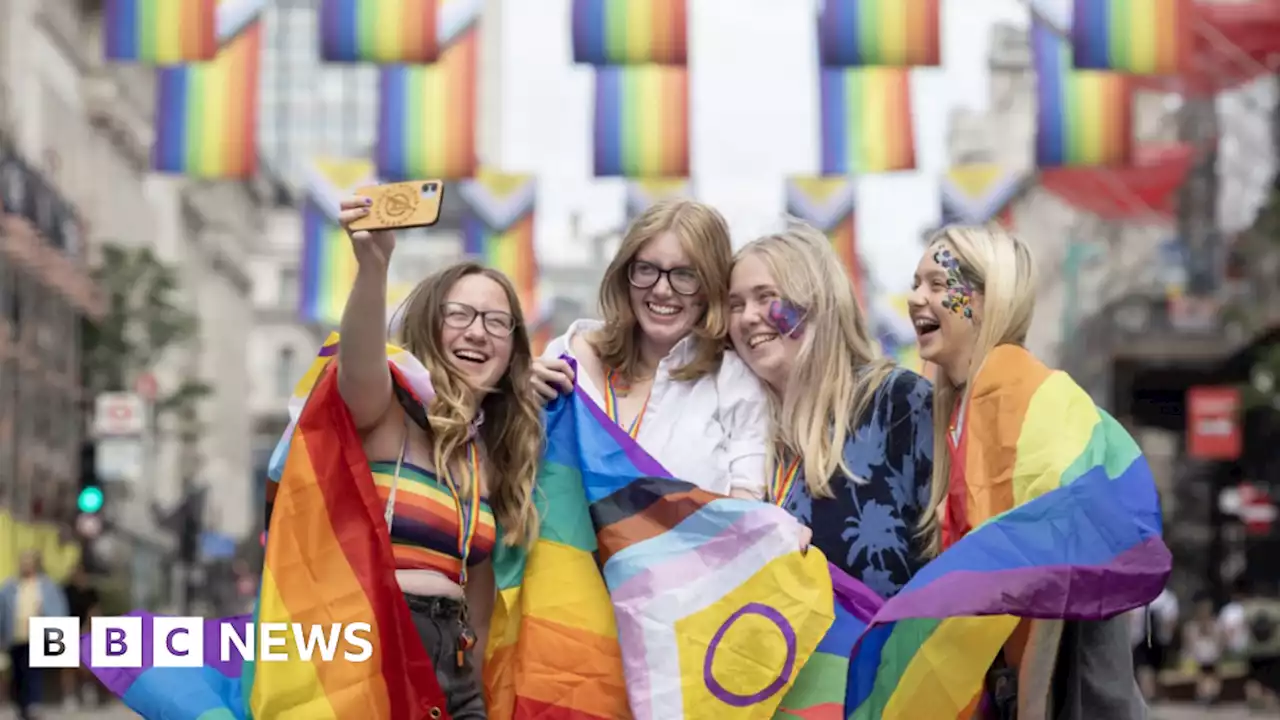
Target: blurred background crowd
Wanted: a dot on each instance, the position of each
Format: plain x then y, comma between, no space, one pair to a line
169,258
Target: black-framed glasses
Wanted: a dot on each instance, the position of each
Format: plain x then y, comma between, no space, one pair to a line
495,322
644,275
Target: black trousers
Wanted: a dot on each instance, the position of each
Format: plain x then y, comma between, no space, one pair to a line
439,624
23,680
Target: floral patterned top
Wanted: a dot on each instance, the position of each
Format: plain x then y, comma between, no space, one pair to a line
868,528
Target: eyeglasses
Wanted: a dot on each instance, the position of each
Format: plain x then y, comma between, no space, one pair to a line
645,275
495,322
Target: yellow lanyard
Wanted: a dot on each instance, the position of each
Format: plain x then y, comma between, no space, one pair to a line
783,479
611,406
468,517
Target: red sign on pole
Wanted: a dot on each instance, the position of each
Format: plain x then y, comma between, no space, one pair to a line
1213,423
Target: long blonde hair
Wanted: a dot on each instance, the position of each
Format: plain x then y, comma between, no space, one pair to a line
838,367
1000,266
512,428
704,236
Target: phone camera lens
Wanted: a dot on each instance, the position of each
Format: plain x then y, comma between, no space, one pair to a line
430,188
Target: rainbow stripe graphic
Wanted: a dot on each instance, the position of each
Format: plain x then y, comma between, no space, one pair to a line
976,193
328,267
642,122
643,193
866,121
498,229
887,33
1052,466
427,115
630,32
160,32
207,114
1141,37
1084,117
379,31
829,204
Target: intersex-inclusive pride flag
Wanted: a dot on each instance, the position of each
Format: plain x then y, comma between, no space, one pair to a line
645,192
328,561
328,267
896,33
977,193
1142,37
630,32
1066,527
706,606
379,31
497,228
829,204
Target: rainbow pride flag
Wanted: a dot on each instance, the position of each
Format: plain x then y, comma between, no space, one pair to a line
891,322
893,33
498,229
379,31
1141,37
630,32
1084,118
1066,525
706,605
328,266
159,32
642,122
427,115
206,114
645,192
828,204
866,120
976,193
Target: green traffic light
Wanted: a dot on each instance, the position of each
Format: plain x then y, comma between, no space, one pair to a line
90,500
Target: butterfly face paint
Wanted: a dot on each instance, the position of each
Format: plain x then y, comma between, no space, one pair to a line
787,318
959,299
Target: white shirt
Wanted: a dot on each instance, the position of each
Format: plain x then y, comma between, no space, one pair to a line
1232,620
710,431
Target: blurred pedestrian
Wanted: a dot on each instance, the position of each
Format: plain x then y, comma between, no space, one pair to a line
30,594
1204,642
1152,633
83,603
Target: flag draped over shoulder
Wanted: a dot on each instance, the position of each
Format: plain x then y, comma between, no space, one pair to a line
706,606
328,561
1066,527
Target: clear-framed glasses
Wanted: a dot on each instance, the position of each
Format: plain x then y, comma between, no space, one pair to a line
683,280
495,322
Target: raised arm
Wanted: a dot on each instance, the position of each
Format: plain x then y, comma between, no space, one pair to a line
364,381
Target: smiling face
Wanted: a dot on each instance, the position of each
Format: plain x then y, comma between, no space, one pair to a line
765,329
946,310
665,292
476,332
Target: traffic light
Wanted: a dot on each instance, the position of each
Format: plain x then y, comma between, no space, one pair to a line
91,498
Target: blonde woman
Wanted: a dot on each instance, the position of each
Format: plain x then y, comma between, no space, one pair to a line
471,453
850,450
657,362
973,300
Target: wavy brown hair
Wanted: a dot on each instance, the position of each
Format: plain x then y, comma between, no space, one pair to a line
511,433
704,235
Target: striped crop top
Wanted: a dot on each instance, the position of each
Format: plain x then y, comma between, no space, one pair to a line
424,529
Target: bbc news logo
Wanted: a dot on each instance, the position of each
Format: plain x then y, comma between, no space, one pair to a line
120,642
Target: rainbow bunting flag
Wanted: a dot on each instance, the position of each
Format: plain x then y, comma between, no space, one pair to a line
866,120
1141,37
891,320
159,32
887,33
207,114
630,32
641,194
328,266
328,560
829,204
976,193
379,31
498,229
427,115
706,605
1066,525
1084,118
642,122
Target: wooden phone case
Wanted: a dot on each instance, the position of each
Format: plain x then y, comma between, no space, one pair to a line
401,205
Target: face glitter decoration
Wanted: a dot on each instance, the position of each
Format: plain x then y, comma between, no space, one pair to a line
959,292
787,318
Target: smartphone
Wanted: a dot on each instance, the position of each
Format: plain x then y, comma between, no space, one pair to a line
401,205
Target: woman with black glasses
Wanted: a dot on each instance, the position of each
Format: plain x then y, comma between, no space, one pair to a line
658,365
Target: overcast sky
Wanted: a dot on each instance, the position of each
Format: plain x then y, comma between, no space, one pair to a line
755,95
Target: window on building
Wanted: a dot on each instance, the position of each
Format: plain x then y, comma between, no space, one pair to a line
284,372
288,288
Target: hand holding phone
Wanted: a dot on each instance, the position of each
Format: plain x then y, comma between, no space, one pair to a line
401,205
370,247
